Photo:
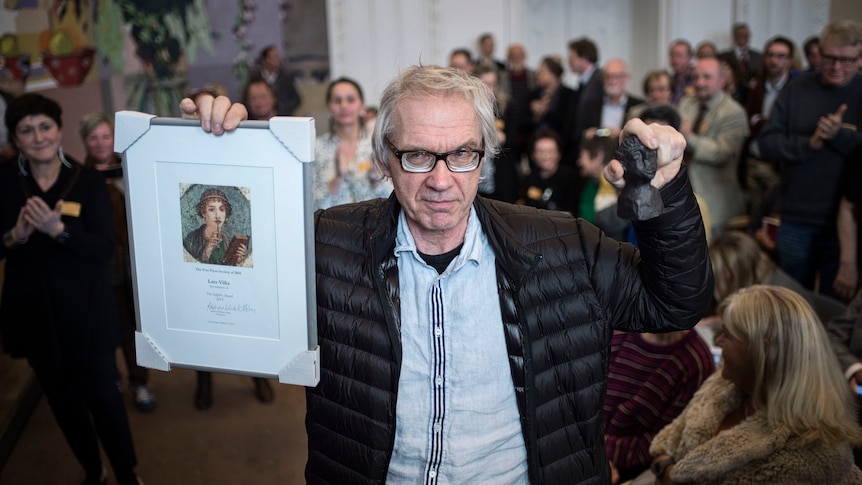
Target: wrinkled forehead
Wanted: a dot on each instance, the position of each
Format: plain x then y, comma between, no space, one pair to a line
453,113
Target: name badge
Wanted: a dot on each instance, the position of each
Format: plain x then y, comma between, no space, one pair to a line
71,209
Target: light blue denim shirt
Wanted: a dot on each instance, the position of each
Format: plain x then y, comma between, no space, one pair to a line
457,419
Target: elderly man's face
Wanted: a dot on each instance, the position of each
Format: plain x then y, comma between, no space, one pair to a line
517,55
615,78
708,80
436,203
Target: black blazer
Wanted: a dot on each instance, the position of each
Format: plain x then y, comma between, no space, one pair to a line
591,114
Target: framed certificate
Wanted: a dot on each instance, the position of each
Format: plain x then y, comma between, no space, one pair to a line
222,245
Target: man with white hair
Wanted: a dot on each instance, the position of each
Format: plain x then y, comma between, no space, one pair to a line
609,111
466,340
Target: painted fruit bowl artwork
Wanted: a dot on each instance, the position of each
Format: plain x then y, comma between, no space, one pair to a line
69,69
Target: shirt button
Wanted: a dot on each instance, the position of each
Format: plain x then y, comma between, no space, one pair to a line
432,474
438,331
437,428
438,381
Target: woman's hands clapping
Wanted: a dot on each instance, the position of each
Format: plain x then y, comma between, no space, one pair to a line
37,215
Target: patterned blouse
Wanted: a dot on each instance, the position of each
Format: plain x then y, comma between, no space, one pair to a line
363,180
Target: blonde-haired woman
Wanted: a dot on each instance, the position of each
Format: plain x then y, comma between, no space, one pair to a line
738,262
779,411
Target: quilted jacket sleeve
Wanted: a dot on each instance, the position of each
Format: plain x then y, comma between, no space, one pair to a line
666,285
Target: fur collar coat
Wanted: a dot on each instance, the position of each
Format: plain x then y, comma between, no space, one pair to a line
751,452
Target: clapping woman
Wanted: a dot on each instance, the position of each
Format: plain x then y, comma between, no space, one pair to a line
58,308
344,170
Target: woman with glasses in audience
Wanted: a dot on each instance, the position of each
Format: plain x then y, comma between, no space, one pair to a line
778,410
344,170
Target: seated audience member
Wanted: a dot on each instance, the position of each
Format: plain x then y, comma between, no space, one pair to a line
550,185
97,133
739,261
650,380
777,412
598,199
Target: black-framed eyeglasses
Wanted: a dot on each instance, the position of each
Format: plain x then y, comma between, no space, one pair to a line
421,161
844,61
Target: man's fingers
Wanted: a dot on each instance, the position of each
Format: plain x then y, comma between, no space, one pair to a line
235,114
613,173
217,115
226,116
204,104
188,108
220,106
636,127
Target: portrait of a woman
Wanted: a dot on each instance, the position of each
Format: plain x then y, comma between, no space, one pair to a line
209,243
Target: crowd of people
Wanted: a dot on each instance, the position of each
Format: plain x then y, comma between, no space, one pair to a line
759,143
488,335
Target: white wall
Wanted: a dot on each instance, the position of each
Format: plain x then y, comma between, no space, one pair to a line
371,40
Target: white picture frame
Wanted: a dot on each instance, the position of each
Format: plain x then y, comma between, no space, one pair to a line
197,306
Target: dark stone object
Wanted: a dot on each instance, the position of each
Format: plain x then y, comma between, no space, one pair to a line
638,200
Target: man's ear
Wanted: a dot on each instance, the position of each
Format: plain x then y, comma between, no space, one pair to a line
382,166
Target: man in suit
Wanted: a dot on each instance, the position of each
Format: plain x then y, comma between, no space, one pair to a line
583,61
761,175
749,59
486,53
609,111
715,127
283,82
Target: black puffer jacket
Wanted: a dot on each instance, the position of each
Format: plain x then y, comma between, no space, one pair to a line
563,290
